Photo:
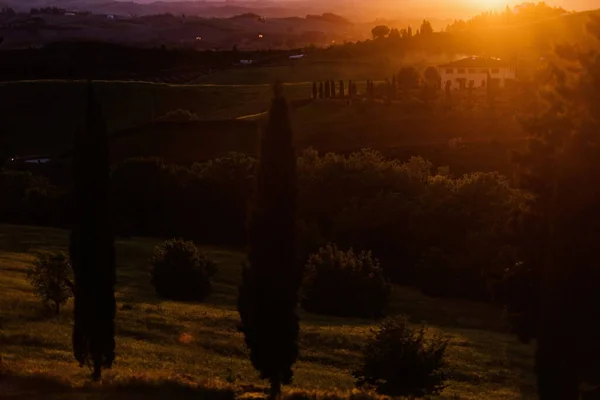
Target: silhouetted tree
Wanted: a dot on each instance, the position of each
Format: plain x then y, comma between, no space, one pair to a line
271,280
92,249
342,90
380,31
314,90
432,77
426,28
394,35
558,301
408,78
447,90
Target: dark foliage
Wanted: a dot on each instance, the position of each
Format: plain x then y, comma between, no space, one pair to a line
400,361
92,248
271,279
51,278
344,283
555,287
181,272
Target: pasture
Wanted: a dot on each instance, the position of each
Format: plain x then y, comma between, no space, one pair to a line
169,349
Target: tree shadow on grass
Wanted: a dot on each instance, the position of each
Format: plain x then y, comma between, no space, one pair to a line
40,386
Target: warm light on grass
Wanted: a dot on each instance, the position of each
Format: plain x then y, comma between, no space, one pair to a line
199,343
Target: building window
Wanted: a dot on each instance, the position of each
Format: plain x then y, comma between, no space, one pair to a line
461,71
472,71
449,71
495,71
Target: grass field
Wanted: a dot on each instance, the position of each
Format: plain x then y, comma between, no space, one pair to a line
168,348
58,107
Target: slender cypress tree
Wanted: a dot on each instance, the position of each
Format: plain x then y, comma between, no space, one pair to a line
271,280
92,245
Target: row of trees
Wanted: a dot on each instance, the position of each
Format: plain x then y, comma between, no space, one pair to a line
383,31
329,90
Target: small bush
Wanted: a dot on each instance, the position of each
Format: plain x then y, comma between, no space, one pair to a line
399,361
345,284
51,279
180,271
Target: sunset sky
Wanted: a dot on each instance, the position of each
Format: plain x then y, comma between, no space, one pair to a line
459,8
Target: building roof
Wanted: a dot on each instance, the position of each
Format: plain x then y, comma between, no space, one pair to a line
477,62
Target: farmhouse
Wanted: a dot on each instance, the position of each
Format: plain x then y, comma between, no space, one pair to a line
476,71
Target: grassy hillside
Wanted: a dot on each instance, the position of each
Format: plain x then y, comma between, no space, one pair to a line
41,116
192,344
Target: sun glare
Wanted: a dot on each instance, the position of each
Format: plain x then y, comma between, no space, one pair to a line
487,4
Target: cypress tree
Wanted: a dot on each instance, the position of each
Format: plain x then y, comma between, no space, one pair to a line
321,90
92,245
271,280
342,89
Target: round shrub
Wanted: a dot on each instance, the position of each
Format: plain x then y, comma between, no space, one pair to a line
400,361
51,279
345,284
180,271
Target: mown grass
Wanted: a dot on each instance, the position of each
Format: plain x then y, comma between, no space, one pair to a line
42,116
162,343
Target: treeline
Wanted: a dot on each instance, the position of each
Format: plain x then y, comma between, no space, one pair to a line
412,218
98,60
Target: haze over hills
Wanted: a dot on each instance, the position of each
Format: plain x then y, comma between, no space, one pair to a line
355,10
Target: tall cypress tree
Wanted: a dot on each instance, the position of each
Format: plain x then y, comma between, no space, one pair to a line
92,245
271,280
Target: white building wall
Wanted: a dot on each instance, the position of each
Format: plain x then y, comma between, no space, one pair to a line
477,75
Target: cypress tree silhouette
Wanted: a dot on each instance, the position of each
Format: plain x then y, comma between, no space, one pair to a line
92,245
271,280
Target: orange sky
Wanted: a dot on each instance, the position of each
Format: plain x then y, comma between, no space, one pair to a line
462,8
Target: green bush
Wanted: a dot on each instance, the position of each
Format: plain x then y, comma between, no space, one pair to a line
345,284
180,271
400,361
51,279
